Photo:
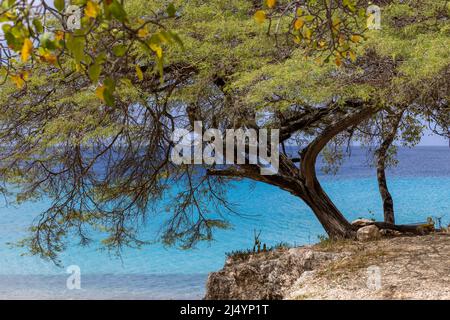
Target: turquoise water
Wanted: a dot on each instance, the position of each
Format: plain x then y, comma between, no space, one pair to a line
420,186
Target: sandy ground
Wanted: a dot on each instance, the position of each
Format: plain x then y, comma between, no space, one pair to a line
396,268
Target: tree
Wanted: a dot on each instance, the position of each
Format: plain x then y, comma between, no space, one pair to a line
98,40
105,163
383,132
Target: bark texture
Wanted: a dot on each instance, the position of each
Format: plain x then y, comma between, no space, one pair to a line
382,153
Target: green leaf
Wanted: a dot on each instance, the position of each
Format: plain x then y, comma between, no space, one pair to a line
11,40
101,58
171,10
76,47
8,4
154,39
118,11
38,26
120,50
47,42
59,5
110,84
106,10
6,28
108,97
361,13
94,72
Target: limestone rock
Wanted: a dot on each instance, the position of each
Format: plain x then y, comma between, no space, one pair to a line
368,233
264,276
361,222
340,272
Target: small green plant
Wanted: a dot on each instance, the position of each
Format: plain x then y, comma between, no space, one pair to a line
239,254
257,243
244,254
323,239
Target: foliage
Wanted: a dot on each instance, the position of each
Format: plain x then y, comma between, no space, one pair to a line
110,40
104,162
325,28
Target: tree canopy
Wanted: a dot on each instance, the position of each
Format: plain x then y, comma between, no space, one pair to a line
87,115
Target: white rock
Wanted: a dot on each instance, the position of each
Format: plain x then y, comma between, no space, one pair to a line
368,233
361,222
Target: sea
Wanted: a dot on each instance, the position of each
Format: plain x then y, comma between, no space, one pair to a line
420,185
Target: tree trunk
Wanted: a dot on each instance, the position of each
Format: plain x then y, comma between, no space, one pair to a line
302,182
328,215
388,202
324,209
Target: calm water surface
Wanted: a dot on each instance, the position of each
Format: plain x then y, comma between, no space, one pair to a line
420,185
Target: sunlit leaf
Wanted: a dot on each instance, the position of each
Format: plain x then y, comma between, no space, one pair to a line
142,33
352,56
59,35
308,33
99,92
27,48
139,73
356,38
298,24
271,3
49,58
92,9
260,16
157,49
20,79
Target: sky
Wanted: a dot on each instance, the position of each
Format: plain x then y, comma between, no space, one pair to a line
430,139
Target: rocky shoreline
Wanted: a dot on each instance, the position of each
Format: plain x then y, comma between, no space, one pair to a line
404,267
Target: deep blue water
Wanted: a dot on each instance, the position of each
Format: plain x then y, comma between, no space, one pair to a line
420,186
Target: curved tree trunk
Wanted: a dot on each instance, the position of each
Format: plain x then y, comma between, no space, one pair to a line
302,182
288,179
330,217
328,214
388,202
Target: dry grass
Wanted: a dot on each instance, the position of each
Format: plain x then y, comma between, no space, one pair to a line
416,267
355,261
